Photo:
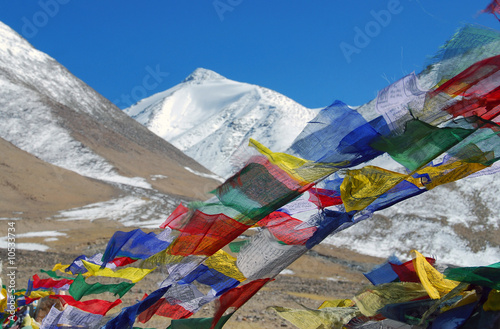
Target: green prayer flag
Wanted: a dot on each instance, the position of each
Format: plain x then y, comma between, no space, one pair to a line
199,323
488,276
53,274
420,143
80,288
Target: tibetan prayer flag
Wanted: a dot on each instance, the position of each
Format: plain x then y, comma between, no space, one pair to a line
135,244
434,282
224,263
163,308
406,271
329,221
324,198
420,143
236,297
330,317
204,234
212,278
488,276
80,288
375,298
46,284
338,134
285,228
130,273
94,306
199,323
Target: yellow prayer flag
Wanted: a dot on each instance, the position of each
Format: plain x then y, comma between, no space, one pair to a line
303,171
493,301
374,298
361,187
60,267
336,303
130,273
224,263
3,300
333,317
41,293
434,282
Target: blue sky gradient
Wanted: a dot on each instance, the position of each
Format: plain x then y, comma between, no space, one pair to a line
313,52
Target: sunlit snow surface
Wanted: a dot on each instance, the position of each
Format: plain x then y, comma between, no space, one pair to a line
210,118
32,80
144,208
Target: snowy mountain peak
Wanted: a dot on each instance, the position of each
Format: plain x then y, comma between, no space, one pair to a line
210,117
200,74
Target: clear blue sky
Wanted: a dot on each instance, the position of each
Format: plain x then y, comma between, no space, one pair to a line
306,50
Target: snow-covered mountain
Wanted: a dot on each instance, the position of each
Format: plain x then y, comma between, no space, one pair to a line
51,114
211,117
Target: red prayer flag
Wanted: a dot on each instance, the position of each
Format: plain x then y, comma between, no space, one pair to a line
406,271
49,283
163,308
236,297
324,198
283,227
94,306
205,234
122,261
176,218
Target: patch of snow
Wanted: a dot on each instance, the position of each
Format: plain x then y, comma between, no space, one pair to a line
287,272
40,234
216,177
145,209
156,177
